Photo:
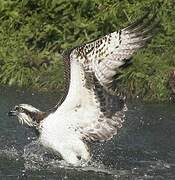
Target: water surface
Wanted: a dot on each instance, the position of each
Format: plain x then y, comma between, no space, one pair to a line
144,148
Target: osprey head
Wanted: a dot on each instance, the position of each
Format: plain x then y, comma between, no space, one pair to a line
28,114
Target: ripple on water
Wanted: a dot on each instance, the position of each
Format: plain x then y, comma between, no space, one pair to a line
37,159
143,150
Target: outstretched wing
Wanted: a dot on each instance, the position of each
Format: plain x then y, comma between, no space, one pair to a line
98,62
105,55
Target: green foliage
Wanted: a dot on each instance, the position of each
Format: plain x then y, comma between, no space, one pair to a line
34,33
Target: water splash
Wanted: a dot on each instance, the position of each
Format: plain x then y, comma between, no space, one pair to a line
10,153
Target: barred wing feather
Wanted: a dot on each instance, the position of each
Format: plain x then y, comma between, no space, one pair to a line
100,60
104,55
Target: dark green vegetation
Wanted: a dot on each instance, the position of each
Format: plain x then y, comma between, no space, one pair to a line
34,33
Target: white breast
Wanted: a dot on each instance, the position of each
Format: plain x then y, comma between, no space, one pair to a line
58,130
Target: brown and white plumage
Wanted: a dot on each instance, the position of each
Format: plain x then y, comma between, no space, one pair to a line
91,110
99,61
103,56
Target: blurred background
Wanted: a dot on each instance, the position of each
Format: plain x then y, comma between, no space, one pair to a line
33,35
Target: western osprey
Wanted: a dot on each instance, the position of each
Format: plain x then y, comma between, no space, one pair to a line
90,109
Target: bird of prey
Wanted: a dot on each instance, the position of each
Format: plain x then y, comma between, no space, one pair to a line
91,109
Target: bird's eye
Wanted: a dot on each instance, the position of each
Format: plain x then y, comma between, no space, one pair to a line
19,109
16,108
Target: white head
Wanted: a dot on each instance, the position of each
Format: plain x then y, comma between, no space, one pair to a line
28,114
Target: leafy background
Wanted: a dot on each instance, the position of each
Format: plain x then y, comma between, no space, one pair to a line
34,33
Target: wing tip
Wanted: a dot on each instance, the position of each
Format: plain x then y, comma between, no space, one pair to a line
147,20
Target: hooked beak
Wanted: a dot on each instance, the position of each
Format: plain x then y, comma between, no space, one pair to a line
12,113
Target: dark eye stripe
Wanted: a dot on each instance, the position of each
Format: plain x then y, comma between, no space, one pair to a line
19,109
23,110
